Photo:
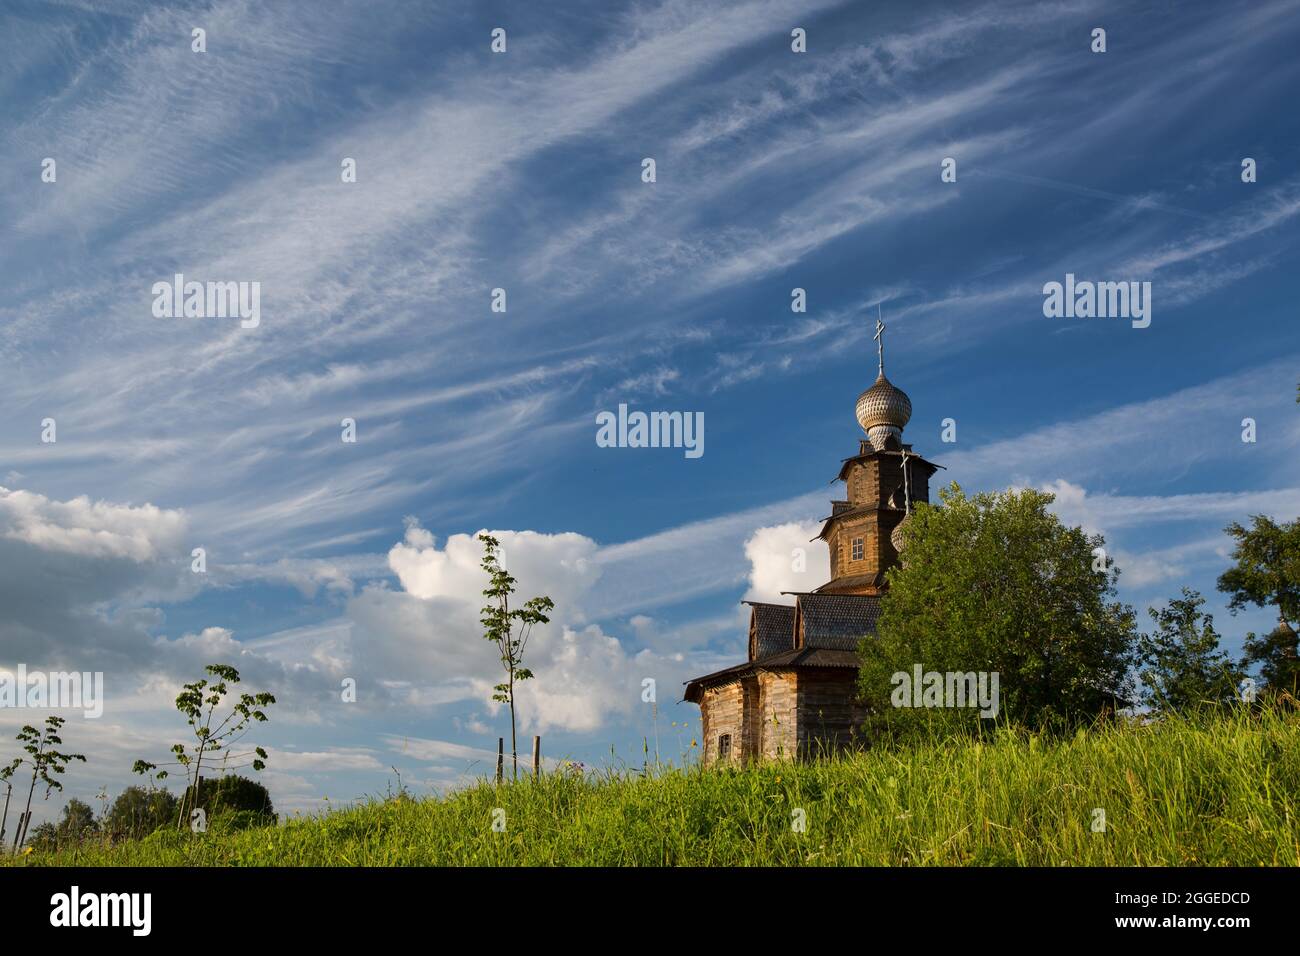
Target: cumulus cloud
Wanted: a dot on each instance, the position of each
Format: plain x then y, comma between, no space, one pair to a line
784,558
90,529
425,641
584,677
75,577
562,561
83,584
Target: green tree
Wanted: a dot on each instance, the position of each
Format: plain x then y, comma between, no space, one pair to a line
509,629
996,583
1276,655
1266,573
138,811
233,795
1181,664
198,703
47,763
76,824
44,838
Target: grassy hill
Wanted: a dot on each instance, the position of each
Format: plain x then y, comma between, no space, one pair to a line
1211,791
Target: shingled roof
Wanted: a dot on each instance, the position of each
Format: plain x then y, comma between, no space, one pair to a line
835,621
852,583
805,657
831,626
912,459
771,629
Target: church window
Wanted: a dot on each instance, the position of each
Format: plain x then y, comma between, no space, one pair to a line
857,549
724,746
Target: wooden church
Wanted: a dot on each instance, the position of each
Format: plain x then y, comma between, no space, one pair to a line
795,697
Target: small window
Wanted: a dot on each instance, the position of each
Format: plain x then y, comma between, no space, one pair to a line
724,746
857,549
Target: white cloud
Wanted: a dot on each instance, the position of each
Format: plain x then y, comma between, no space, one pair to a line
76,578
691,560
1100,511
331,760
92,530
426,641
784,558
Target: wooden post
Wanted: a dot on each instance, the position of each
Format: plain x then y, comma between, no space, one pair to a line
537,756
501,758
4,822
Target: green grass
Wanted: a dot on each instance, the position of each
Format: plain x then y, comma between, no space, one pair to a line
1212,791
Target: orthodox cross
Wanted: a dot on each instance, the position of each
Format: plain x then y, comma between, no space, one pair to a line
880,340
907,488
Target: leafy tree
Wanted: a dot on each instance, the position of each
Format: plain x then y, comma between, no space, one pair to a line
1267,568
1276,655
77,823
509,630
47,763
137,812
198,702
1182,666
233,794
1266,573
996,583
45,838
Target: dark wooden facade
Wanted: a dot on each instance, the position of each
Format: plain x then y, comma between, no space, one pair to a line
799,703
796,696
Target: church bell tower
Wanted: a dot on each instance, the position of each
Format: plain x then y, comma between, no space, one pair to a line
883,481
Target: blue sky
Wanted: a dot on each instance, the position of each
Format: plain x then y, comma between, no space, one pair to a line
522,171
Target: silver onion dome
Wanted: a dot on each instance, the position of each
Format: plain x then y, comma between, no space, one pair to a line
883,410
